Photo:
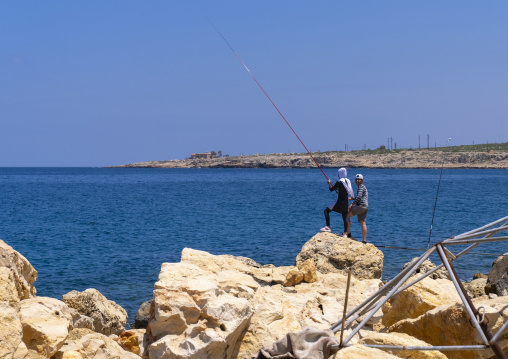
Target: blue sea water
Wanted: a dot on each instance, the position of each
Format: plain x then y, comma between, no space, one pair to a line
111,229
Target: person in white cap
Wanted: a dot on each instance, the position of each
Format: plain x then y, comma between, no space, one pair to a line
359,207
344,193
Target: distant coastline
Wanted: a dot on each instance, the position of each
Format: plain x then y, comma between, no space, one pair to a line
474,156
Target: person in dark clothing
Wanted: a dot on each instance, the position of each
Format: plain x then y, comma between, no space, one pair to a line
344,193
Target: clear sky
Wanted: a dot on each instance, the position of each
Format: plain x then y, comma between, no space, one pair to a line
97,83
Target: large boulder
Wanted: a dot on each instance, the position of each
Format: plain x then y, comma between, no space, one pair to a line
46,324
277,309
192,316
108,317
498,276
11,330
450,325
402,339
83,344
421,297
24,275
335,254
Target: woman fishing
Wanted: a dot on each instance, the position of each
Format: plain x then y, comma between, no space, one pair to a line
344,193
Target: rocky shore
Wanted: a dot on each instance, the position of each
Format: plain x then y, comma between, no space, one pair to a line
423,158
221,306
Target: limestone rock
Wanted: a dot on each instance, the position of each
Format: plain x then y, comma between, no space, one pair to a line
193,317
334,254
404,340
11,330
476,288
279,310
240,285
24,274
108,317
266,275
427,266
133,341
142,315
46,324
449,325
480,275
360,351
308,268
418,299
93,345
293,277
498,276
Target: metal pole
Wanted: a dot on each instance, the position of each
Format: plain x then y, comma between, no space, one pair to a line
479,240
482,228
461,294
376,295
484,329
440,347
477,234
435,269
345,306
389,295
499,332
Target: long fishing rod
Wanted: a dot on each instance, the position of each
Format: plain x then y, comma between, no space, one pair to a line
437,192
261,87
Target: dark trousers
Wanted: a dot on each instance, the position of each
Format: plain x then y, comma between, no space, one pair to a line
327,218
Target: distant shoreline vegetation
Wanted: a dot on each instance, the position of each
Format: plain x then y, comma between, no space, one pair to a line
490,155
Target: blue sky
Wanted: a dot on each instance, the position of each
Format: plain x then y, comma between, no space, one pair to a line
102,83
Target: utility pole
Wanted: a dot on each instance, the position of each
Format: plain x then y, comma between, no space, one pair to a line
391,142
419,147
395,145
388,146
428,137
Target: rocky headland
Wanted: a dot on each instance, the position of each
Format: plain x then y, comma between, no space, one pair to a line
222,306
407,158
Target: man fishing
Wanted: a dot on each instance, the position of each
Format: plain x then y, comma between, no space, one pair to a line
344,193
359,207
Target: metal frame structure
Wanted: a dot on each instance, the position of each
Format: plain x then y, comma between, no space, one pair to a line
372,304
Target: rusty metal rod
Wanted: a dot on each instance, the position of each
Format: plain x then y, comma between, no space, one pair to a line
345,306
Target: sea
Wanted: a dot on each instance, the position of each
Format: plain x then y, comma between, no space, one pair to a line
112,228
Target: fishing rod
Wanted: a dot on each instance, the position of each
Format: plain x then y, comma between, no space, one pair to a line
437,192
262,89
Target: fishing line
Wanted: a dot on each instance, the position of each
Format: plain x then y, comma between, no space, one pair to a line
437,192
261,87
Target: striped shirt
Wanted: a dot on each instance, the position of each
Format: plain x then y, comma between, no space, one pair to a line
362,197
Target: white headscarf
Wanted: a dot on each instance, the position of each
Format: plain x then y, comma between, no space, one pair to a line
345,181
